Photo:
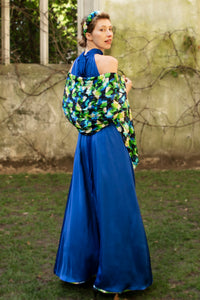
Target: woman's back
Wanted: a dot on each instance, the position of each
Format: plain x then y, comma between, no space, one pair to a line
94,63
85,65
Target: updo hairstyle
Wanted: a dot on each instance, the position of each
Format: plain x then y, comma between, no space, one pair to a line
91,26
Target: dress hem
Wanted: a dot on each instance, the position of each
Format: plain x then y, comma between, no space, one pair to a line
104,291
124,291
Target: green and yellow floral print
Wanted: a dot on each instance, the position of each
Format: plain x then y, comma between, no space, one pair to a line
93,103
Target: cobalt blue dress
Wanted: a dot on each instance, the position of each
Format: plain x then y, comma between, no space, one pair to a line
102,233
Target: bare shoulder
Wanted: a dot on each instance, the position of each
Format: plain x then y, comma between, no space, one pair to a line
106,63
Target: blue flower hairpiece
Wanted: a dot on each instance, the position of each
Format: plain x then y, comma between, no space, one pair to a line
89,19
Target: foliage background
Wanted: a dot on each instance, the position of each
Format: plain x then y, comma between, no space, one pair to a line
25,31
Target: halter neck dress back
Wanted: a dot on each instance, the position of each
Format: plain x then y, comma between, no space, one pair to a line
102,233
85,65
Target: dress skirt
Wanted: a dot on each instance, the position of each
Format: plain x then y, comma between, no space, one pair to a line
103,232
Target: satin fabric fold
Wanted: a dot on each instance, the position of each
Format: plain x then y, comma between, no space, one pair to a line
103,233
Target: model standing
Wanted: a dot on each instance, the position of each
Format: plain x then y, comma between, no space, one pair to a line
103,233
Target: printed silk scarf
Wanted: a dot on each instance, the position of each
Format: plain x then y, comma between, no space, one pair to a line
92,103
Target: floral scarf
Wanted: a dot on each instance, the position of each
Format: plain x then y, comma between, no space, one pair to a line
92,103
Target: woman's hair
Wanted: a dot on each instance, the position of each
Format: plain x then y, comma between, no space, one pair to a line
83,41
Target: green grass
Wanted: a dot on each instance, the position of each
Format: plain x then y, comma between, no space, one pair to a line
32,208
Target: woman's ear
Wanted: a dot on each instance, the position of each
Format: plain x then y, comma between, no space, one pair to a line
88,36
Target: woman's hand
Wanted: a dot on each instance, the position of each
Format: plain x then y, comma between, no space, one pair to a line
129,85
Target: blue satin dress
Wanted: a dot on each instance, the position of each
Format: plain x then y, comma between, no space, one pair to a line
102,233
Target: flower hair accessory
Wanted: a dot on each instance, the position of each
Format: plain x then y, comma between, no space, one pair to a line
89,19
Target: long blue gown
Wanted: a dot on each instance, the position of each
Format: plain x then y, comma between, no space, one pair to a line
103,232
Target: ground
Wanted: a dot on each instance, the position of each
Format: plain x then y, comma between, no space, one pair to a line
32,210
66,165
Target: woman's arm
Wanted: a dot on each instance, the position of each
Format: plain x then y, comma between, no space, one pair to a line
106,64
128,83
109,64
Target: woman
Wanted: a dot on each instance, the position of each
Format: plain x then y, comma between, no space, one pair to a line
102,233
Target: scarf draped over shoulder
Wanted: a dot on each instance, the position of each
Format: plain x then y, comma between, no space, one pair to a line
93,103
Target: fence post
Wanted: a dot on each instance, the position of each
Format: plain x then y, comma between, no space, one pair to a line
44,32
5,31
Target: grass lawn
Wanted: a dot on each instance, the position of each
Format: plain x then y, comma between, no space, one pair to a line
32,208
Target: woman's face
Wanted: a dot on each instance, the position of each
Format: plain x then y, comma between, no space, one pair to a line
102,35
